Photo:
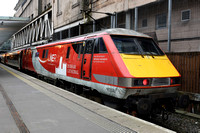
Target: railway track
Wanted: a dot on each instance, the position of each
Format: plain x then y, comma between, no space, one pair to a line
179,122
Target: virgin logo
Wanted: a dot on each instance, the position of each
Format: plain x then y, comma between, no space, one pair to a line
52,57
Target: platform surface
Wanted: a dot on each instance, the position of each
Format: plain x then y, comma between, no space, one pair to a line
31,105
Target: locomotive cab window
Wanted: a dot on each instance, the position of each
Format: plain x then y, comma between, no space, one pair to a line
149,47
136,45
78,48
89,46
68,52
100,46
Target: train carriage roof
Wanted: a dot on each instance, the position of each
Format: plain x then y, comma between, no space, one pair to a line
121,31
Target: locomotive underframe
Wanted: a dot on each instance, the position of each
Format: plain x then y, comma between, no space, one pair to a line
152,103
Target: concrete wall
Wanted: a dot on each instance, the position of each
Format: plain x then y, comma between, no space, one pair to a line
112,6
46,4
68,12
70,9
183,32
29,9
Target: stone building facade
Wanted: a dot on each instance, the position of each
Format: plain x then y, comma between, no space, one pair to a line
75,17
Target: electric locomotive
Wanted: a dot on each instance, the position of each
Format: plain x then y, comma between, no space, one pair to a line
119,64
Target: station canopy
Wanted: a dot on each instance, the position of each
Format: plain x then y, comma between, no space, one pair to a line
10,25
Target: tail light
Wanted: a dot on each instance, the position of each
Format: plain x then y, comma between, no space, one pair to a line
142,82
171,81
145,82
175,80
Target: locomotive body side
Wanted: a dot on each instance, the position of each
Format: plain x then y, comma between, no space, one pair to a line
75,62
108,69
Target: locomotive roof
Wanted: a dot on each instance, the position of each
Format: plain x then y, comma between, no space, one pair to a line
114,31
121,31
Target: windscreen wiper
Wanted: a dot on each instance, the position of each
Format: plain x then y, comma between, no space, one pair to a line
151,54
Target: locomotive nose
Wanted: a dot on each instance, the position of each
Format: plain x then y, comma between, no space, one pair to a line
144,106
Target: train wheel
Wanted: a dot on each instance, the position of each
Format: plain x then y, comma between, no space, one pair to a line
183,101
144,106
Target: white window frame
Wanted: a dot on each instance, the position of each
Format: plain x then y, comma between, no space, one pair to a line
183,20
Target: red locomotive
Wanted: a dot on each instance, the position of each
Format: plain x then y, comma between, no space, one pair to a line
122,65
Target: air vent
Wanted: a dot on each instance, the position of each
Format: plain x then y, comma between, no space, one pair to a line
185,15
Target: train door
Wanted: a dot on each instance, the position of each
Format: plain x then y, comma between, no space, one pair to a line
25,60
86,66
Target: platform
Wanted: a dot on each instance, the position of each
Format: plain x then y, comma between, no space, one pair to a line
31,105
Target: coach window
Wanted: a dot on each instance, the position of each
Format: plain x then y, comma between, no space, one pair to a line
100,46
68,52
45,53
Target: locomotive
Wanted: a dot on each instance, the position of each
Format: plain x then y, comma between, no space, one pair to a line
121,65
